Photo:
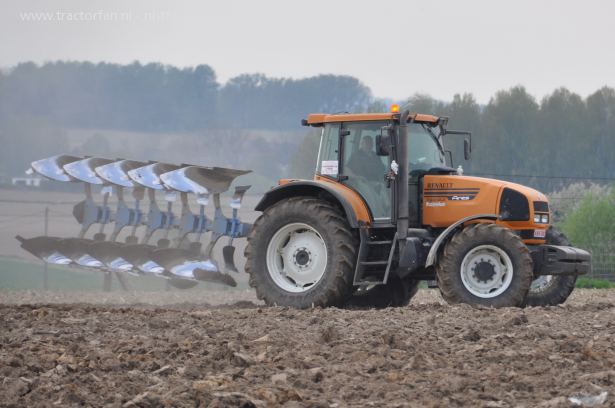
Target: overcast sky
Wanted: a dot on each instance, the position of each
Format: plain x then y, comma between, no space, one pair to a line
397,48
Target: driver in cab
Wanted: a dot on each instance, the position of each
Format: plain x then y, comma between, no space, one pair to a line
365,163
366,173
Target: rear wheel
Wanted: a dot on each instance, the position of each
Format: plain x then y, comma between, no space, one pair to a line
301,253
396,293
485,264
551,290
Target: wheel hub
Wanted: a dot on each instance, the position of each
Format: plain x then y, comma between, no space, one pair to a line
296,257
302,257
484,271
541,284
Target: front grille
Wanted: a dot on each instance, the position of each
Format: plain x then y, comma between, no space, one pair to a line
514,206
541,206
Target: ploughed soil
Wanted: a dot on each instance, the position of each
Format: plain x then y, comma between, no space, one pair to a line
245,354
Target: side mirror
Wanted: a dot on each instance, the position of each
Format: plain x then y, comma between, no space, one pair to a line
467,149
383,142
467,141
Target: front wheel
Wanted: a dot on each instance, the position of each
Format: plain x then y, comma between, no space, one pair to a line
301,253
485,264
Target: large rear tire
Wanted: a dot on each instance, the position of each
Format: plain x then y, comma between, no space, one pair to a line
396,293
301,253
551,290
485,264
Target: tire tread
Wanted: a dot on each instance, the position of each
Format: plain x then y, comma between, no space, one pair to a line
447,269
343,254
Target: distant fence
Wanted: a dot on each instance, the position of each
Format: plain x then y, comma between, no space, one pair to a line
603,261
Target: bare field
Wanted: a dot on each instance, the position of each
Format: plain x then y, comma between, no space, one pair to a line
170,351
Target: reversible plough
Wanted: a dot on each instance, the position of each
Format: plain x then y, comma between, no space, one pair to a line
178,255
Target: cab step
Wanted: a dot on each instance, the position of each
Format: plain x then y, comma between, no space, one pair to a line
368,263
380,243
381,264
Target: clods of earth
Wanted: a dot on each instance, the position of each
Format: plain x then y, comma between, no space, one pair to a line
83,352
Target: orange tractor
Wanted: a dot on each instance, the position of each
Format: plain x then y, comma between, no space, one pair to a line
385,211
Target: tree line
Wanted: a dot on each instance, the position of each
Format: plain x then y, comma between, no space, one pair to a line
156,97
546,143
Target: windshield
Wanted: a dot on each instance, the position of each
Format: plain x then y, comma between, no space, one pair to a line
424,152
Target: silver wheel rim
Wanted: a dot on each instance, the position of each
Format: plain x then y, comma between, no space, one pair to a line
486,271
296,257
541,283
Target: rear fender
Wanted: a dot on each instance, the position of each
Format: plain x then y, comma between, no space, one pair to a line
355,209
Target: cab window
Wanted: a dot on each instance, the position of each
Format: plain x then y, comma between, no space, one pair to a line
328,154
363,169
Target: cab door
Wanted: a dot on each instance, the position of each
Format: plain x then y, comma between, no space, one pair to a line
347,154
362,169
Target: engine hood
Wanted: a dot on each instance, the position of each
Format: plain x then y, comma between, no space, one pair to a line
449,198
530,193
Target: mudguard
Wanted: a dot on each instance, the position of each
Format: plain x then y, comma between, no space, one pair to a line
356,211
433,251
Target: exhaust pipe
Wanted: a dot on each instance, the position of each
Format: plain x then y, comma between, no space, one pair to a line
403,199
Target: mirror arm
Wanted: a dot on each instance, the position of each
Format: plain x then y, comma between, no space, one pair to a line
450,157
462,133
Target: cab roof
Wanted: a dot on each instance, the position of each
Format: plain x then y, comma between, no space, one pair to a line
317,119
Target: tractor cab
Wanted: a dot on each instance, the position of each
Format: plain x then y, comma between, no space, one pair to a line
359,151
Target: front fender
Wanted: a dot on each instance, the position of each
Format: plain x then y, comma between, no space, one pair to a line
432,256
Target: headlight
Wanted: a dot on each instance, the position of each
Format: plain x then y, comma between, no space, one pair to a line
537,219
544,219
